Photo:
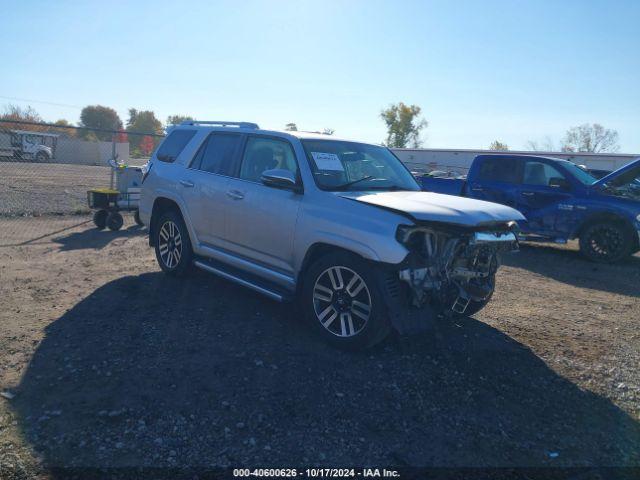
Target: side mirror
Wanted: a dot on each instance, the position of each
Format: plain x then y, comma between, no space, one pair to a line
561,183
164,157
280,178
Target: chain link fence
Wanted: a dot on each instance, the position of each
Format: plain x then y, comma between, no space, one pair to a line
47,169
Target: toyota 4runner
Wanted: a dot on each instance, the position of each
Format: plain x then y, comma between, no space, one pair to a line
340,226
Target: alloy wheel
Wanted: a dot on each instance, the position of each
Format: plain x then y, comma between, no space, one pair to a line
605,241
341,301
170,244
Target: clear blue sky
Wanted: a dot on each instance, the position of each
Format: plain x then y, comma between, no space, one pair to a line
480,70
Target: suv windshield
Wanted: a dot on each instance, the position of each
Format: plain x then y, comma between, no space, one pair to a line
349,166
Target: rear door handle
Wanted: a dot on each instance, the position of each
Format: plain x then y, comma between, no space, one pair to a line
186,183
528,194
235,194
477,189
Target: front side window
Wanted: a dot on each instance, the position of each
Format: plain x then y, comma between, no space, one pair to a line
540,174
340,165
218,153
266,154
174,144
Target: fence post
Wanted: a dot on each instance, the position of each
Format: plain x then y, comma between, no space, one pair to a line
113,159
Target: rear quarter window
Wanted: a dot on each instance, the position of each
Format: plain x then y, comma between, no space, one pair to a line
174,144
499,170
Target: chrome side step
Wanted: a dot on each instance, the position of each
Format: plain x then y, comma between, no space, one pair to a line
245,283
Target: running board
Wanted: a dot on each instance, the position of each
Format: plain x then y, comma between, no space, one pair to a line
272,294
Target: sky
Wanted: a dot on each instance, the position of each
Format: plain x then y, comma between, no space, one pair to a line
480,70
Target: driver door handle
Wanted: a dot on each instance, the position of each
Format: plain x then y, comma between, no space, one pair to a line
235,194
186,183
528,194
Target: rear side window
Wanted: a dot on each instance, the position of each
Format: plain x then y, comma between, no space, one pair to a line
218,153
499,170
174,144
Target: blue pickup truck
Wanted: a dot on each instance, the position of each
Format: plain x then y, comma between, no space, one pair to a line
560,200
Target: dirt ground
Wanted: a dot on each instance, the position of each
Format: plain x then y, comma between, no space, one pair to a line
109,363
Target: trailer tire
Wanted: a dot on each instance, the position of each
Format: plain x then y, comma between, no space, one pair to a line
138,220
100,219
114,221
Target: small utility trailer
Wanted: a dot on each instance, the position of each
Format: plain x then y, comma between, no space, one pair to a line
108,203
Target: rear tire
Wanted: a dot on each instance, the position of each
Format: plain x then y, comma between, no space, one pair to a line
100,219
342,301
41,157
172,244
137,219
606,242
114,221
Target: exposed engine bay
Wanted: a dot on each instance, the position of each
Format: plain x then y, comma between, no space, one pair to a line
450,268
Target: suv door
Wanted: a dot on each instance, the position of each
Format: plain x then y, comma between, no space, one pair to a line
543,190
204,183
261,220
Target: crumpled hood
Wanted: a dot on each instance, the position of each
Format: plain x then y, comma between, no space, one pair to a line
436,207
630,170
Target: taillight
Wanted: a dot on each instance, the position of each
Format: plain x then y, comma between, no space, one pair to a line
146,168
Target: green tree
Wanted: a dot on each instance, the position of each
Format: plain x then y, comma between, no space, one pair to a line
99,117
498,146
177,119
291,127
142,122
403,125
592,138
69,132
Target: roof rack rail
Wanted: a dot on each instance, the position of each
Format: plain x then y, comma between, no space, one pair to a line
253,126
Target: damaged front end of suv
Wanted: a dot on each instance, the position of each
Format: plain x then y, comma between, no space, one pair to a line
451,270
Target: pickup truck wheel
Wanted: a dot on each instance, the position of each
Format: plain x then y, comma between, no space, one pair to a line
172,244
41,157
605,242
343,302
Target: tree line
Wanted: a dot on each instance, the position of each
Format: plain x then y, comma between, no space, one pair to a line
403,122
97,123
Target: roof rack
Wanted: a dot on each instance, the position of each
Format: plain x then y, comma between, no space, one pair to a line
253,126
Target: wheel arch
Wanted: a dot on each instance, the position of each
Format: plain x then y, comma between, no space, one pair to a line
608,217
160,206
318,250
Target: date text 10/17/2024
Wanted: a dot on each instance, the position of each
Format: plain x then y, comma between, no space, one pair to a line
316,472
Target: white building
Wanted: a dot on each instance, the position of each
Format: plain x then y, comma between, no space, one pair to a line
457,162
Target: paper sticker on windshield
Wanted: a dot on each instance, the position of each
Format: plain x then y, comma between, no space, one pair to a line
327,161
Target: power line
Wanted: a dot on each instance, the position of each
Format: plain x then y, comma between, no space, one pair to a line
17,99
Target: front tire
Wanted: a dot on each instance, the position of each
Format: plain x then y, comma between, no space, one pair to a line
343,302
605,242
172,244
41,157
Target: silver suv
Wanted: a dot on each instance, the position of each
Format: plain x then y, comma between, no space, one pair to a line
340,226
